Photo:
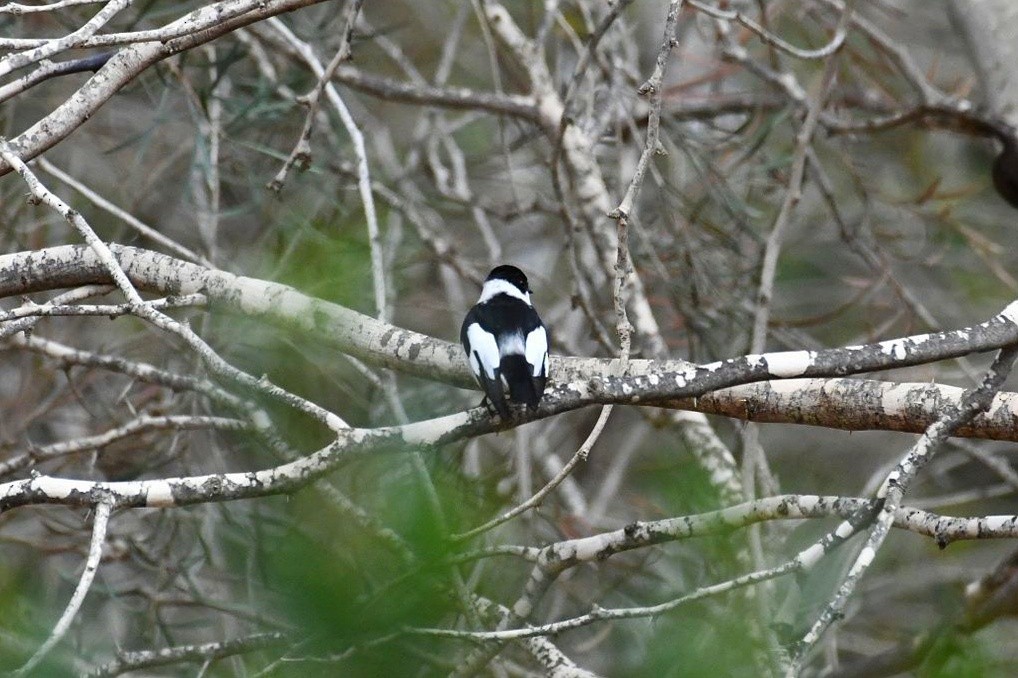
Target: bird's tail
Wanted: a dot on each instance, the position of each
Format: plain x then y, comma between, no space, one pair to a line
518,375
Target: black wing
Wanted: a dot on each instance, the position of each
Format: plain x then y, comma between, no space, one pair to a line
483,356
513,323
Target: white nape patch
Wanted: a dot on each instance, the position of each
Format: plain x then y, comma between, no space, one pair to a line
158,494
498,286
536,350
788,364
512,344
1011,312
483,346
896,349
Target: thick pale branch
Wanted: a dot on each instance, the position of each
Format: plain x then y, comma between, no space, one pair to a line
289,477
559,556
892,492
841,403
856,405
945,529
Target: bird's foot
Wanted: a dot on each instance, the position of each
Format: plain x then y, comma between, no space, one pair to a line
493,411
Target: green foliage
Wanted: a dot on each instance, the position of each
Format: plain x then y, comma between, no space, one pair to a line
28,614
696,642
959,656
675,483
347,592
19,595
327,256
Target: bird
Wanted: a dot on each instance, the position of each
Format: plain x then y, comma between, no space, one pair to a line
506,343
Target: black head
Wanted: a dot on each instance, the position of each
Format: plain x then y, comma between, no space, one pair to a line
512,275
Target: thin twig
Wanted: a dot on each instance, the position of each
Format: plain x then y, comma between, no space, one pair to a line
830,48
142,424
301,153
893,491
538,497
50,309
144,310
793,194
17,8
12,62
102,515
128,218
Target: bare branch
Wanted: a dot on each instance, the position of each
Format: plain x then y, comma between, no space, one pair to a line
771,39
12,62
95,549
201,26
893,491
206,652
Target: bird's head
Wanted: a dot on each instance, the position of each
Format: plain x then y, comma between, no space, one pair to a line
506,279
510,274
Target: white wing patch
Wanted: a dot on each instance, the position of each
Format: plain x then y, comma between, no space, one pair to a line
484,346
537,350
512,344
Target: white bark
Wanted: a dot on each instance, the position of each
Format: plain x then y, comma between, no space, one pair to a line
843,403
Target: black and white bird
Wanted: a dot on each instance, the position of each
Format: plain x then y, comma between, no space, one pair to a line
506,342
